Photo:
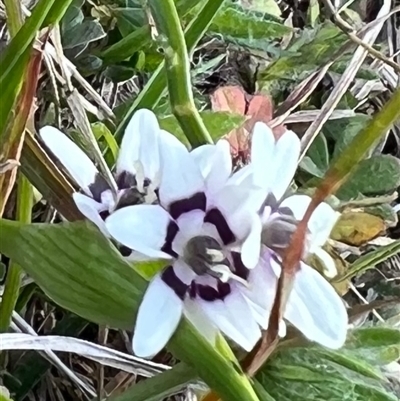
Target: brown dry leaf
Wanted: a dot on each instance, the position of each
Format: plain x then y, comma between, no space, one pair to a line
357,228
15,129
256,107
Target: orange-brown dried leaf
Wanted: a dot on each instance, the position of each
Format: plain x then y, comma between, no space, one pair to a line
15,128
358,228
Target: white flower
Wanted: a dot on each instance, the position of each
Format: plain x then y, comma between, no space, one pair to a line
136,173
313,305
209,229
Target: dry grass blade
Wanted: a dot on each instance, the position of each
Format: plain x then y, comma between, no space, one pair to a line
344,82
47,178
73,71
101,354
19,325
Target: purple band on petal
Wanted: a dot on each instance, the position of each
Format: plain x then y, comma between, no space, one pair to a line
104,214
124,250
240,269
98,187
214,216
130,197
173,281
126,180
197,201
172,230
208,293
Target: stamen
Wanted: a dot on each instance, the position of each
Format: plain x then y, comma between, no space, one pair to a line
225,274
216,256
140,178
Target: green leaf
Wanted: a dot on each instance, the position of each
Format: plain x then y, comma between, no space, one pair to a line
23,40
351,374
376,345
138,39
217,123
374,176
306,54
370,260
69,265
156,86
236,23
344,130
317,160
77,267
102,133
82,34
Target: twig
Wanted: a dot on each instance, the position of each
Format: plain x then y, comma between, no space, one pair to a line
351,33
364,301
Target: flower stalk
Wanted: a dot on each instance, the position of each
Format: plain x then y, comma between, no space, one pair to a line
170,37
156,86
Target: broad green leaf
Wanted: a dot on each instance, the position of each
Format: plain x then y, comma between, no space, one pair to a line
217,123
344,130
352,373
264,6
316,161
374,176
236,23
375,345
82,34
77,267
305,55
318,152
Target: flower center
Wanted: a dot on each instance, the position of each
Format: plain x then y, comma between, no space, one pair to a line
204,255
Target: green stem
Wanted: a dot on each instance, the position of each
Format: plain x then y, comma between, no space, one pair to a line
13,280
15,18
177,66
161,386
156,86
223,375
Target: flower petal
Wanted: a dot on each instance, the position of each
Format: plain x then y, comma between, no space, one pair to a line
215,164
72,157
321,222
252,244
140,144
180,176
142,228
262,155
329,265
262,282
91,209
234,318
316,309
158,317
286,158
238,204
195,314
